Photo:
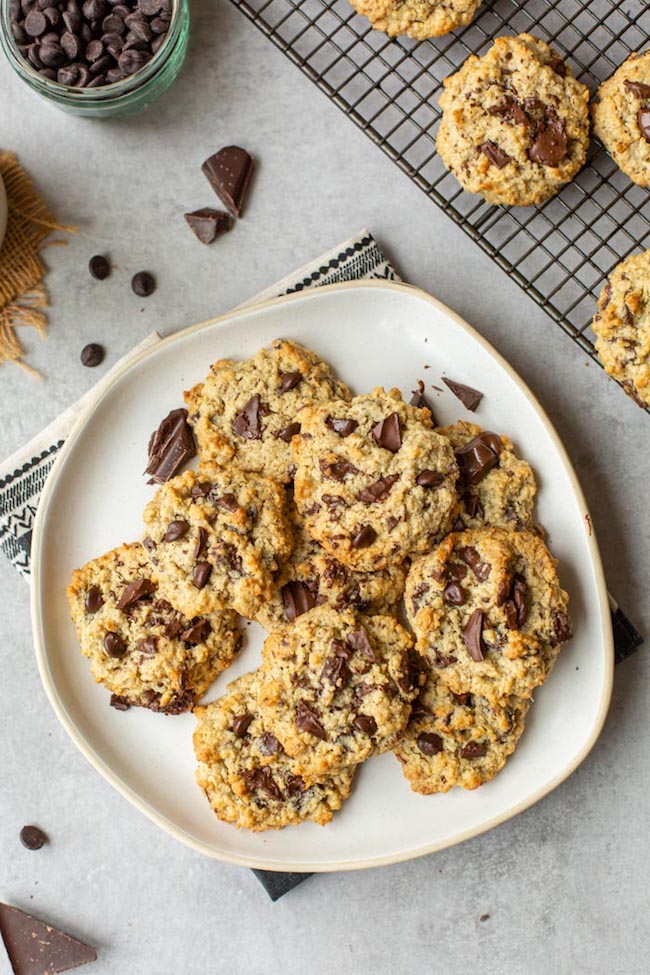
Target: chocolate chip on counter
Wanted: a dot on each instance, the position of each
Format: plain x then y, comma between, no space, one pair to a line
92,355
170,446
429,743
201,574
474,749
289,432
378,491
114,645
229,172
289,380
387,434
477,458
473,635
364,537
470,398
93,600
358,640
495,154
32,837
297,598
240,724
247,422
429,479
365,723
135,591
143,284
119,703
176,530
207,224
454,594
307,720
341,426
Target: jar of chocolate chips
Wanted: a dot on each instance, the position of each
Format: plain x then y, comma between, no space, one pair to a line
96,58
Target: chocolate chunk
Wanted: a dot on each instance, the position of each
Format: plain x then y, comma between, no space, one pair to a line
378,491
637,88
558,66
32,837
289,432
261,779
391,521
550,143
198,632
92,355
227,501
562,630
419,400
495,154
474,749
207,224
341,426
97,265
387,433
247,422
307,720
464,700
510,610
511,110
228,172
119,703
199,545
336,669
268,744
177,529
429,478
643,118
93,600
471,557
143,283
472,635
36,948
114,645
358,640
365,723
289,380
470,398
337,470
429,743
456,571
170,446
519,599
297,598
201,490
240,724
477,458
148,543
201,574
294,784
148,646
454,594
138,589
364,537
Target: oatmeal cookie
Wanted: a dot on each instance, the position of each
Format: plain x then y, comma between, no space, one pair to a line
621,117
374,482
245,413
140,648
515,123
418,19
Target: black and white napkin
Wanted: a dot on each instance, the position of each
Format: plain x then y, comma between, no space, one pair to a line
23,475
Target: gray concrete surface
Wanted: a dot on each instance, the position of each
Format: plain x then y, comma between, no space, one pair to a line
565,884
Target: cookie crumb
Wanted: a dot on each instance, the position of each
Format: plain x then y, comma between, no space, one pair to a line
484,917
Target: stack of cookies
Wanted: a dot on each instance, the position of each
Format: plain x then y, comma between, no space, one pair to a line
314,512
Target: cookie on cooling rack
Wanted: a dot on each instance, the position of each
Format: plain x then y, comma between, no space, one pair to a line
621,116
418,19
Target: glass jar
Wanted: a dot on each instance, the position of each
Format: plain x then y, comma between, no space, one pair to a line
124,97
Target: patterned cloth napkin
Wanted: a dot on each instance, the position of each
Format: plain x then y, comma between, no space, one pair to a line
23,475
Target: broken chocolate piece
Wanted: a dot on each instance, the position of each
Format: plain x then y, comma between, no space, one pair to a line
337,470
478,457
261,778
297,598
470,398
550,143
387,433
306,720
429,743
196,633
510,110
474,749
207,224
429,479
171,446
419,400
289,380
114,645
289,432
643,118
138,589
637,88
473,635
228,172
247,422
201,574
240,724
471,557
176,530
364,537
358,640
119,703
378,491
268,744
365,723
343,427
495,154
454,594
36,948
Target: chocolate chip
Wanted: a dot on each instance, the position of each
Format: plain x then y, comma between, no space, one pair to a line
176,529
358,640
519,599
454,594
344,427
472,635
387,433
470,398
289,380
148,646
148,543
119,703
337,470
247,422
151,7
429,478
550,143
365,723
364,537
93,600
495,154
170,446
229,172
511,110
378,491
240,724
289,432
307,720
136,590
92,355
562,630
261,779
97,265
419,400
197,633
114,645
295,784
637,88
32,837
201,574
201,490
268,744
207,224
643,118
35,23
471,557
429,743
142,283
477,458
201,537
297,598
474,749
336,669
558,66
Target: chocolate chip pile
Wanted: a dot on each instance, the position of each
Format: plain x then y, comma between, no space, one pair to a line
90,44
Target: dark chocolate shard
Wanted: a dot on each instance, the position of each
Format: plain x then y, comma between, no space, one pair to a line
419,400
289,432
378,491
364,537
138,589
472,558
358,640
229,172
643,118
454,594
510,110
387,433
240,724
337,470
171,446
495,154
344,427
307,720
429,478
247,422
637,88
36,948
175,530
474,749
366,724
197,632
550,143
289,380
477,458
207,224
473,635
297,598
469,397
261,779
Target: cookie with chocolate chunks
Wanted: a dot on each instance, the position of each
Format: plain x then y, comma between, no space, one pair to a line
140,646
621,117
515,123
419,19
247,412
379,492
488,612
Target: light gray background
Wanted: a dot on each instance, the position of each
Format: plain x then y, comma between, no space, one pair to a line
565,884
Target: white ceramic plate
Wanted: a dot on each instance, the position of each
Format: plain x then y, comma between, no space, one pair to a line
377,333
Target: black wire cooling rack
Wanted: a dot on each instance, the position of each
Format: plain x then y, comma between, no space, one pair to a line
560,252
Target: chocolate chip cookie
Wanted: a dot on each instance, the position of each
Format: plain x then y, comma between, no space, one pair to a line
246,775
215,538
622,326
141,648
457,739
417,18
496,488
374,482
488,612
515,123
245,413
311,577
336,688
621,117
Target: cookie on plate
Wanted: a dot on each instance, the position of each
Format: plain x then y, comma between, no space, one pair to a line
621,117
515,123
142,649
496,488
245,413
418,19
488,612
374,482
622,326
246,775
311,577
215,538
457,739
336,688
